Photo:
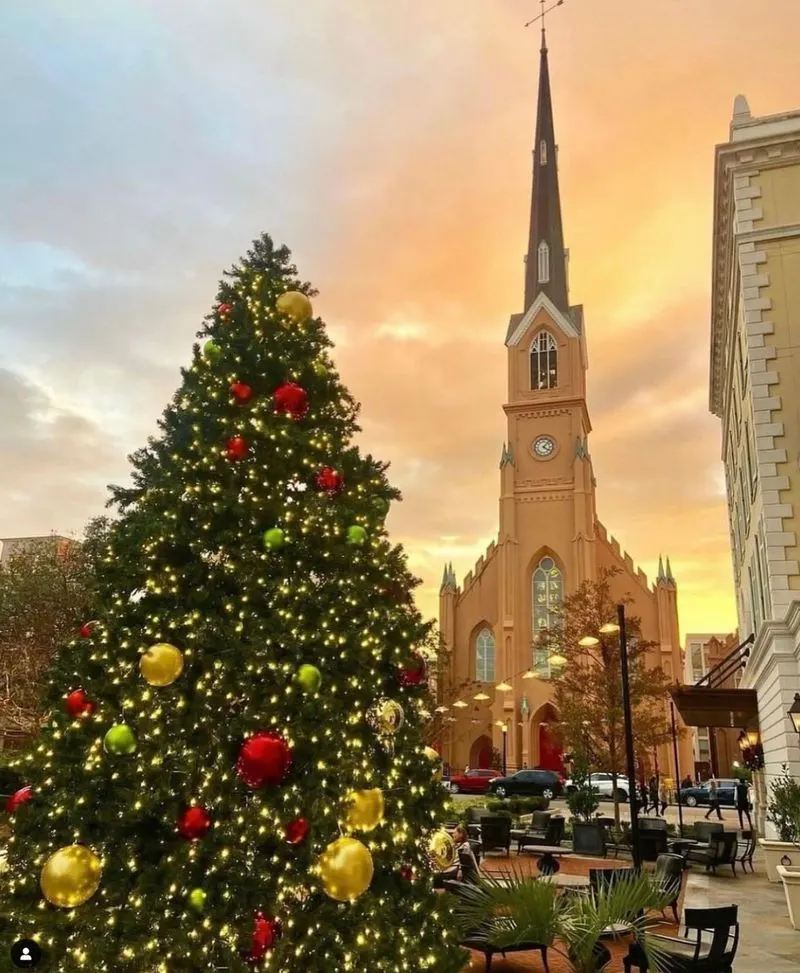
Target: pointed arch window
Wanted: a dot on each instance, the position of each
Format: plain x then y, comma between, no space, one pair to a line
548,597
484,656
544,262
543,153
544,362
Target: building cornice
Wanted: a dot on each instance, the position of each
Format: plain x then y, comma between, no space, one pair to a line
763,655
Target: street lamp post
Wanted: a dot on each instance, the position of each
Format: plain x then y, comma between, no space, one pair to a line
505,738
628,718
794,712
677,767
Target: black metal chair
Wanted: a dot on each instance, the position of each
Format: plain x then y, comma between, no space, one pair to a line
604,878
704,829
746,857
495,833
669,876
695,955
553,835
721,850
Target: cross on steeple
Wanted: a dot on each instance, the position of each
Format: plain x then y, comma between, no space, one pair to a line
546,261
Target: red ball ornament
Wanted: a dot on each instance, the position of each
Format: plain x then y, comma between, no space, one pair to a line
86,631
18,798
297,831
330,481
264,760
407,872
241,392
413,673
266,932
78,704
223,310
194,823
291,400
236,448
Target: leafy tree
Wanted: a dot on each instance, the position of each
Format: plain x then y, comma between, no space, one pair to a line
588,685
237,778
46,593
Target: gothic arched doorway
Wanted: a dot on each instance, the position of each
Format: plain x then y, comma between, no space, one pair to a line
480,753
546,745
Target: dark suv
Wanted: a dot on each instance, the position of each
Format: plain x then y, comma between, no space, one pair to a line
528,783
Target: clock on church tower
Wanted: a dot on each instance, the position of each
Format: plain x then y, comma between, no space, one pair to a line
544,447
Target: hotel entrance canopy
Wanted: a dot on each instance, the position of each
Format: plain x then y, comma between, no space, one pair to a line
710,702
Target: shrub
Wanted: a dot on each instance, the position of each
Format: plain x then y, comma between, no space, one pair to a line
582,800
517,806
783,808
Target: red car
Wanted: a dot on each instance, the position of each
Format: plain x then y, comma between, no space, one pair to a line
473,781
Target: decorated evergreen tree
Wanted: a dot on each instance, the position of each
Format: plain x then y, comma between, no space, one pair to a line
235,775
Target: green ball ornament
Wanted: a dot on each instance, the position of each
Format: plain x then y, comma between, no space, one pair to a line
120,740
197,899
380,506
274,538
356,535
320,368
211,351
309,677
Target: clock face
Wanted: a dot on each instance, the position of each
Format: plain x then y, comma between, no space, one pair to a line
544,447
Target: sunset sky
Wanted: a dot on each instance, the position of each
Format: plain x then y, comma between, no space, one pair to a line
146,142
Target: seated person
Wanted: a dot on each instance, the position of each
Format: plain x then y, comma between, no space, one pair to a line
466,862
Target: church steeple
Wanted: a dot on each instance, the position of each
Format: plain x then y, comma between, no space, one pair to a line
546,263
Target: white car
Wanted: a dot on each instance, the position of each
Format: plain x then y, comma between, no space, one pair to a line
603,784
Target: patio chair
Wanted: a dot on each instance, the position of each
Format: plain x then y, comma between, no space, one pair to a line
748,850
695,955
704,829
721,850
669,875
553,836
495,833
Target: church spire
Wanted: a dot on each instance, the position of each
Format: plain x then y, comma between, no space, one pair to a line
546,262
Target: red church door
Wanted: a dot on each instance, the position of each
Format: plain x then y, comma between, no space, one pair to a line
550,752
480,755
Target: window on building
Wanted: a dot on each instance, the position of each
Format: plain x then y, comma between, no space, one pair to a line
544,362
754,599
548,596
752,456
544,262
763,576
484,656
543,153
744,496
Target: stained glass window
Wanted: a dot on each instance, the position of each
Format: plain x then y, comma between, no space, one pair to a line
484,656
548,596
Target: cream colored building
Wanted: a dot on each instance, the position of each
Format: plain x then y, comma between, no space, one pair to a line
755,391
715,749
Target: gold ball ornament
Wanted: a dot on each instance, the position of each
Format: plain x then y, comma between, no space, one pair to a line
162,664
346,869
366,809
387,717
296,305
70,876
435,759
441,849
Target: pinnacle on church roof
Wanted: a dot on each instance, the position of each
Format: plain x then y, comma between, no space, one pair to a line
669,571
546,263
507,456
660,575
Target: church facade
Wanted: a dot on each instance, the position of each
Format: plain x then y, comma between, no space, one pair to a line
549,538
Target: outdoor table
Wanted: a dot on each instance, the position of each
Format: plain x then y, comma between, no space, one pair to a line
548,863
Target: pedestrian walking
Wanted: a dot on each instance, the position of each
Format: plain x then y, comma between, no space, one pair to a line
713,800
643,798
663,796
743,804
652,793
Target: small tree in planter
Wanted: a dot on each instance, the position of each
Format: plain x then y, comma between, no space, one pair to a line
587,835
783,812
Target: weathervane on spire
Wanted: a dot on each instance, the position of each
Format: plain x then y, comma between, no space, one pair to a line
541,16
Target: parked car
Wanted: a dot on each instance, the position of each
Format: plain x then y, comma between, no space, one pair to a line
726,792
604,783
532,783
473,781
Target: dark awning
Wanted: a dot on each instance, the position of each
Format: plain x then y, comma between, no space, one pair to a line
701,706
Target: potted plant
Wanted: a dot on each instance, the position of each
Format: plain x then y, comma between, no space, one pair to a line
511,911
588,836
783,813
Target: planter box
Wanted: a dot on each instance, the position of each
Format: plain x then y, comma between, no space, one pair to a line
791,887
589,838
774,852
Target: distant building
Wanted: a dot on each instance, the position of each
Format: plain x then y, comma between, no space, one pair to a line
716,750
9,546
755,391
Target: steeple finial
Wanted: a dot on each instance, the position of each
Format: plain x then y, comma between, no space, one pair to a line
546,261
669,571
660,575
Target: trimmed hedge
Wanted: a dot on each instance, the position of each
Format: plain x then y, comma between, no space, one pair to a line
516,806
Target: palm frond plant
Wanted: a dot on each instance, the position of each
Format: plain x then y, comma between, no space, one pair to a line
511,908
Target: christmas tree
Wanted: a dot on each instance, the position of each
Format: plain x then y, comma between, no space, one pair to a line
234,774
